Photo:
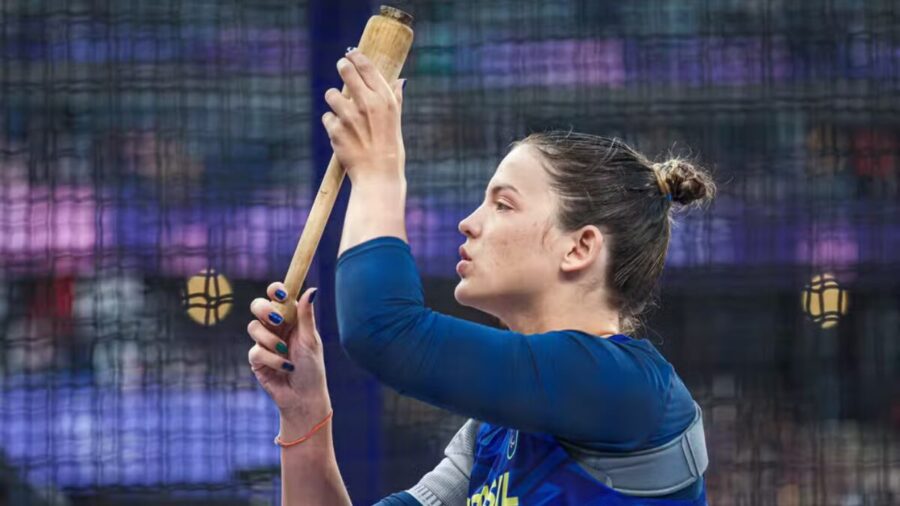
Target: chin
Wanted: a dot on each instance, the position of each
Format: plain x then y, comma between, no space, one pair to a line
465,296
460,293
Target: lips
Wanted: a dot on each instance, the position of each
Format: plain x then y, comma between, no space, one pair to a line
463,254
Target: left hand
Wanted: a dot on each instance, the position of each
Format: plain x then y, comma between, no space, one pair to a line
364,126
288,361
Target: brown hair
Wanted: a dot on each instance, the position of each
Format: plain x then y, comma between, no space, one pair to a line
602,181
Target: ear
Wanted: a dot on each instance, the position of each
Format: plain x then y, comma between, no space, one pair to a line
584,250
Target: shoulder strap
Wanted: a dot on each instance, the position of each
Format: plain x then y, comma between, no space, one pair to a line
448,483
652,472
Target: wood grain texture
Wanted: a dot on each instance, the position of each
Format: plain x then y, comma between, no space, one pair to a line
386,40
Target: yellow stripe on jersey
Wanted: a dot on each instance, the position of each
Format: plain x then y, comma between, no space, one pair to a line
487,497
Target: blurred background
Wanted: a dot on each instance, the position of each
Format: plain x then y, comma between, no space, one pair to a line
158,159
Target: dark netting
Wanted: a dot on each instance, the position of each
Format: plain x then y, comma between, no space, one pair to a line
158,160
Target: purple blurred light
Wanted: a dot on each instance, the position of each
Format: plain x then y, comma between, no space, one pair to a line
87,436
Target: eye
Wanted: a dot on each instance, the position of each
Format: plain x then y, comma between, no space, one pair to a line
500,206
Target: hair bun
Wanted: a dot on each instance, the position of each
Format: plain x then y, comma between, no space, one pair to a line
686,182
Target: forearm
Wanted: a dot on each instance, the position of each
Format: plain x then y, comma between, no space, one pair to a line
376,208
559,382
309,470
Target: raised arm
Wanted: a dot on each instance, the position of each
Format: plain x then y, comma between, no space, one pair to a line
365,133
558,382
565,383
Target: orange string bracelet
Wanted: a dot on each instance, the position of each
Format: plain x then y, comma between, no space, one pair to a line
308,435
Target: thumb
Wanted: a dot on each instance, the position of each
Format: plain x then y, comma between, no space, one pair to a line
306,318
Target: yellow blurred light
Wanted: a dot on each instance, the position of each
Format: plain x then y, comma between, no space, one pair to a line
824,300
208,297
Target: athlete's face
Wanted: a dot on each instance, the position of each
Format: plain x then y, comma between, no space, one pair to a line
510,238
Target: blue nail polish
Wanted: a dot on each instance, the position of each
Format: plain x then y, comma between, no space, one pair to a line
287,366
312,296
275,318
280,294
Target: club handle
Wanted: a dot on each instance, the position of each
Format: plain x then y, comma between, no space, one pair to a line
386,41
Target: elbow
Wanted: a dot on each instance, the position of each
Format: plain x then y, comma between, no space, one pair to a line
364,342
355,340
380,342
355,324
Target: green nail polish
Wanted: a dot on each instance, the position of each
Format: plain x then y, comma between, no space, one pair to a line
281,348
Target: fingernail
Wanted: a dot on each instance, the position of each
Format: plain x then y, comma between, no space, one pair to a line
287,366
280,294
275,318
312,296
404,85
350,49
281,348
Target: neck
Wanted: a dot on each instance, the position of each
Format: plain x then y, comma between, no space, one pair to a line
554,312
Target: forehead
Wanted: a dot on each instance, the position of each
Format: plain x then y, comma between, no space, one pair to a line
522,168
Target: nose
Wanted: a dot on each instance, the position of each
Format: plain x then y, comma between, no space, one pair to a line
467,225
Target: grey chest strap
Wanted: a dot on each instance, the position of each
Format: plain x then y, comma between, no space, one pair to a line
652,472
448,483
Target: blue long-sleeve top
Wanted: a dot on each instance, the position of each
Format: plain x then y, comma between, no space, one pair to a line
616,394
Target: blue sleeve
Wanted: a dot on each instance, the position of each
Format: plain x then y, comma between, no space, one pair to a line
566,383
399,499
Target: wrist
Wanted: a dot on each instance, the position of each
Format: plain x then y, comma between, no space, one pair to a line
320,431
378,180
296,422
384,196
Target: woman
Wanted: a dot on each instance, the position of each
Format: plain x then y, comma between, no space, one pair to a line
565,250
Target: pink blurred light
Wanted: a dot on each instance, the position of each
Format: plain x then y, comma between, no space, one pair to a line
50,225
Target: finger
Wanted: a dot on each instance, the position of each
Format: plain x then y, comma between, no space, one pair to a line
306,317
341,105
261,357
399,85
332,125
262,309
354,82
277,291
330,120
369,74
266,338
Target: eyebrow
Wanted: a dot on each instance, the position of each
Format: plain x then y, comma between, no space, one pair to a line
500,187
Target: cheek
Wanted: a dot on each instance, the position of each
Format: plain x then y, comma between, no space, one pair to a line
519,254
513,261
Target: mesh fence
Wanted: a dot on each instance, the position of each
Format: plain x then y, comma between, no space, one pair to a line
157,162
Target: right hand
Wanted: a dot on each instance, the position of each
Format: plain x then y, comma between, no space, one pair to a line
364,125
296,380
